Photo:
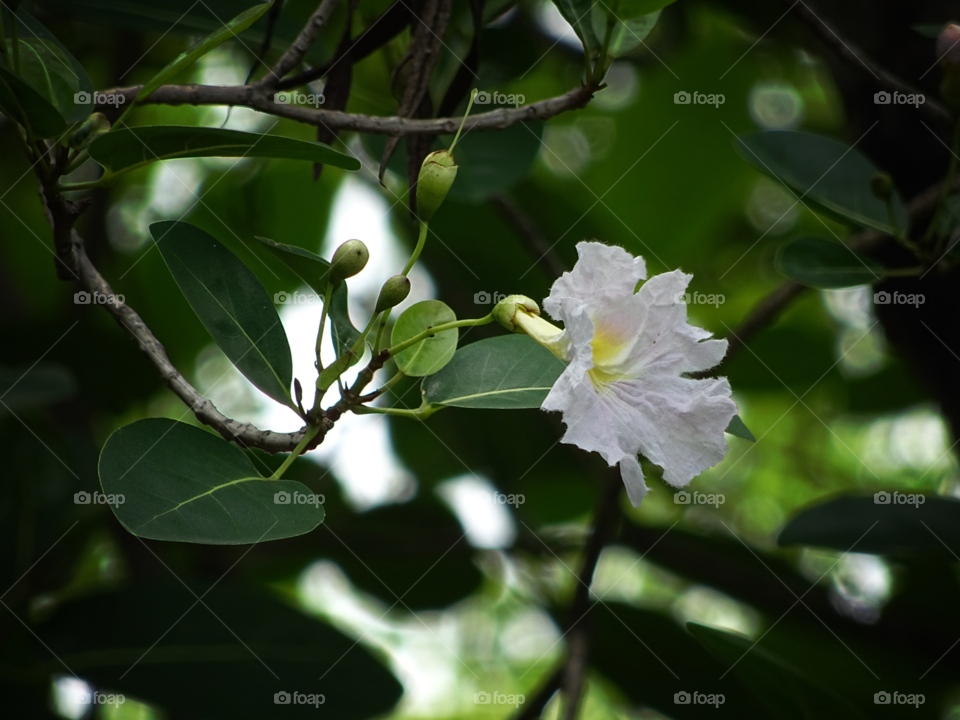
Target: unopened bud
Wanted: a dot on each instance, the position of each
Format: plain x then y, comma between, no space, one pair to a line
393,292
948,46
437,174
520,314
92,128
505,311
882,185
349,259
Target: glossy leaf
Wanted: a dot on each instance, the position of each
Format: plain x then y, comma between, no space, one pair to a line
184,484
628,9
578,14
240,23
823,263
431,354
774,684
628,33
884,523
225,656
738,429
507,372
26,106
231,303
129,148
825,173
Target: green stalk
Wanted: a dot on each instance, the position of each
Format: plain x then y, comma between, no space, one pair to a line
400,347
309,435
328,292
421,241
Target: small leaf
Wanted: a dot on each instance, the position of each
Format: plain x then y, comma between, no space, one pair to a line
129,148
24,105
629,31
231,303
884,523
345,335
738,429
507,372
184,484
825,173
826,264
578,14
431,354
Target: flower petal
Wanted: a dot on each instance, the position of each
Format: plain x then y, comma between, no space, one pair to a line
632,475
603,272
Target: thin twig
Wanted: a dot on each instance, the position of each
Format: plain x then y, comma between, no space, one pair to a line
296,52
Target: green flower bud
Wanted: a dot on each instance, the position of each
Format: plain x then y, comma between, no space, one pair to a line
349,259
92,128
882,185
505,311
393,292
437,174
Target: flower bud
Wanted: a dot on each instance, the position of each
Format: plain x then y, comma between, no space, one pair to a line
882,185
92,128
437,174
393,292
349,259
505,311
948,46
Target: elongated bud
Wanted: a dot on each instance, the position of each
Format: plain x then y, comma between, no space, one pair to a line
92,128
437,174
882,185
520,314
349,259
393,292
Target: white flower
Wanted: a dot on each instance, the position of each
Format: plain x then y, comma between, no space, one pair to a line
624,391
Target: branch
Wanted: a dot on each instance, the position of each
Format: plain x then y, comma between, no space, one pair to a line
528,233
259,98
296,52
856,58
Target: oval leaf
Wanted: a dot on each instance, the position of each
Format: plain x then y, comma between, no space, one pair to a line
829,174
508,373
129,148
231,303
826,264
184,484
431,354
737,428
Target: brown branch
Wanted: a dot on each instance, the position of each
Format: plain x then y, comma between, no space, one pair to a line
259,98
856,58
529,234
296,52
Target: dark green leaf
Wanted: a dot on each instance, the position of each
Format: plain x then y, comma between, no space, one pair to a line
24,105
823,263
825,173
431,354
130,148
578,14
345,335
490,163
628,33
629,9
184,484
929,525
224,658
231,303
780,688
506,372
738,429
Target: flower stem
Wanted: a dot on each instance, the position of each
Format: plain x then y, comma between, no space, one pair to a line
429,332
327,293
421,241
309,435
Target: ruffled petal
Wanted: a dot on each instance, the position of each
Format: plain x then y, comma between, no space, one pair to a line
632,475
603,272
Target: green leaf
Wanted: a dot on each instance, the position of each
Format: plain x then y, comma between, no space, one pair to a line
233,28
24,105
507,372
223,657
345,335
738,429
231,303
628,33
184,484
578,14
629,9
777,686
825,173
894,527
827,264
432,353
129,148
